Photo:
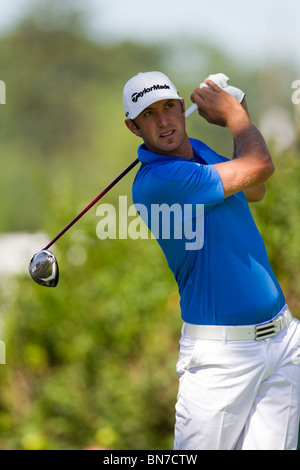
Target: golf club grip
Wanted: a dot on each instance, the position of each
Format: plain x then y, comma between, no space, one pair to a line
188,113
191,110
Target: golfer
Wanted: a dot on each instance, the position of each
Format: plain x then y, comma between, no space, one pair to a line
239,353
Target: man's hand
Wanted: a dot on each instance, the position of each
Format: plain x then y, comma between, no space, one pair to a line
221,80
217,106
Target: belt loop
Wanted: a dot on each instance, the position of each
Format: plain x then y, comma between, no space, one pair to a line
285,319
224,335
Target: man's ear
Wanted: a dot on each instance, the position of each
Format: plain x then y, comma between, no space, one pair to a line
132,127
182,106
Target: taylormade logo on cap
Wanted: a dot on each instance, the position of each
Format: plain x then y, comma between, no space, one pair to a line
144,89
136,96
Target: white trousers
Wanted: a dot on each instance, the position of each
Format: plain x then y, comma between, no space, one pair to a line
239,395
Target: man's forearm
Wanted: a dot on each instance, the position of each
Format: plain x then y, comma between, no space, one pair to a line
252,164
244,105
248,142
255,193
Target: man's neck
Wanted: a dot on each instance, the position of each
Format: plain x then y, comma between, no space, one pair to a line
184,151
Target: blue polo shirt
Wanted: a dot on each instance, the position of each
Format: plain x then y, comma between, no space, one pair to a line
225,278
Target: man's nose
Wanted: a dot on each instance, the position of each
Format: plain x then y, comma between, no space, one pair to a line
162,118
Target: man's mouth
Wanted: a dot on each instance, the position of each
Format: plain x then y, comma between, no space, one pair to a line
167,134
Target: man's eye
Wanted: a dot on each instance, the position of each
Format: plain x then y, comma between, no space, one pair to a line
147,114
170,105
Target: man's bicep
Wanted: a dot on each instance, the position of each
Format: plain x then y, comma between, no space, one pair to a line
239,175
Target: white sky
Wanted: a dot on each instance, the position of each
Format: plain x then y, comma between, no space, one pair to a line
256,29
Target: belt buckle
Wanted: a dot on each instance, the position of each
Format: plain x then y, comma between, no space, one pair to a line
268,330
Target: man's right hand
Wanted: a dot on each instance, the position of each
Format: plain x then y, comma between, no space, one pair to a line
217,106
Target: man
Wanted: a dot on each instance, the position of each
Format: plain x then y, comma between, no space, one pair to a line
239,350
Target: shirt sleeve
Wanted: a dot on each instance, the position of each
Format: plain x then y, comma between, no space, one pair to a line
187,183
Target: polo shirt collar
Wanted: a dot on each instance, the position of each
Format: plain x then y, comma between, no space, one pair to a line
147,156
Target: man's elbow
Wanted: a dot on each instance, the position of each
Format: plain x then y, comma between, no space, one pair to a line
256,193
271,168
268,168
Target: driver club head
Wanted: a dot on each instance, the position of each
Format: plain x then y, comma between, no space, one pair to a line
43,268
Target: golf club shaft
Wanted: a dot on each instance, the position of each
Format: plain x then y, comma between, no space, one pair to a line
115,181
188,113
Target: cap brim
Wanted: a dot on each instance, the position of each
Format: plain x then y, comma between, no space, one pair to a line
148,103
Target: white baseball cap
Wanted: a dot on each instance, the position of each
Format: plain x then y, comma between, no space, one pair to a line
144,89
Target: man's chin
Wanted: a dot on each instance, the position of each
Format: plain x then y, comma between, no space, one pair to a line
165,148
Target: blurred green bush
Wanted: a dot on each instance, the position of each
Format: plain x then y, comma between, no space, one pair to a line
92,361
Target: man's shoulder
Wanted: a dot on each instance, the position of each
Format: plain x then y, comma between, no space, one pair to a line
159,173
209,155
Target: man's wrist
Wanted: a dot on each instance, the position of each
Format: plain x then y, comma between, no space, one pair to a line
238,121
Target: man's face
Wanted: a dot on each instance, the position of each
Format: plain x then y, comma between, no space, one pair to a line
162,127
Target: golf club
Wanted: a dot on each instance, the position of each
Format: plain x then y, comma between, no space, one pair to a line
43,267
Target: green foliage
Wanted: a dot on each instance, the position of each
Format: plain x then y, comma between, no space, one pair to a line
92,362
277,217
